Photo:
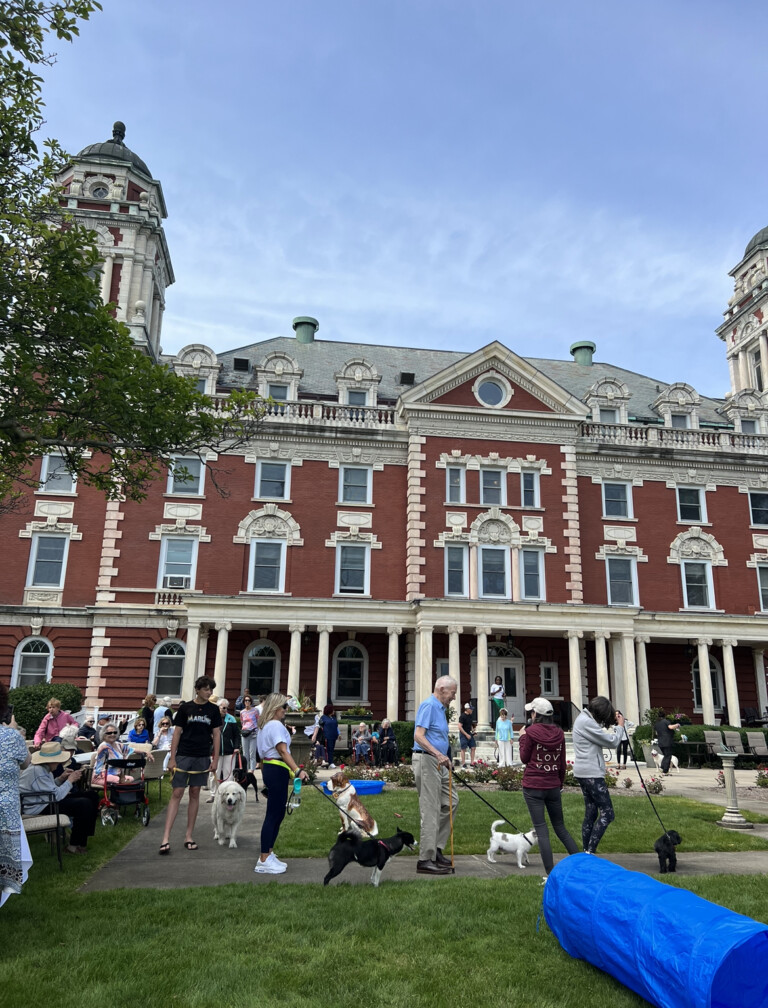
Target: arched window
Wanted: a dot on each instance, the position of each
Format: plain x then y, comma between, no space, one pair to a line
32,662
350,673
167,669
718,690
262,668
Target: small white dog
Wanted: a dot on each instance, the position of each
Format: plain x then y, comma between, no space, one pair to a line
227,812
657,758
354,815
511,843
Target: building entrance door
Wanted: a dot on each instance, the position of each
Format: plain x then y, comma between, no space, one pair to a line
513,676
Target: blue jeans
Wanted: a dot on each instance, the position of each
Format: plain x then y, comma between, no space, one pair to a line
598,811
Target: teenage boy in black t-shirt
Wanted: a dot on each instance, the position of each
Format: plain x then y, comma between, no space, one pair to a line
197,728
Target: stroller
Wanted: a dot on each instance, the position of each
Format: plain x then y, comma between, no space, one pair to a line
118,796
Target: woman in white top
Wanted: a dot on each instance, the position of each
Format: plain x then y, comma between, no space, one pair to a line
497,698
278,767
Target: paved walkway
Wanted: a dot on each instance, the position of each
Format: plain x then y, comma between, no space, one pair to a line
138,865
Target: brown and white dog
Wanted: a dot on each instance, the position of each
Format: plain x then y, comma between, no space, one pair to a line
355,817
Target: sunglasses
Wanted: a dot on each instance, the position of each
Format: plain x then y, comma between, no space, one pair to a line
109,733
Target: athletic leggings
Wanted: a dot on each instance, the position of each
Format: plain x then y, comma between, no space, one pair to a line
598,811
276,782
623,751
537,801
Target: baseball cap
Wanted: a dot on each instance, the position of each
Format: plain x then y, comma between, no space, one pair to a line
540,705
467,706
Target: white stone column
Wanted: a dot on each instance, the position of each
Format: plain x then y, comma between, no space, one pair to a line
393,671
321,682
220,665
643,683
574,667
762,691
616,675
190,662
106,276
426,672
483,682
454,670
631,707
294,658
705,681
746,380
515,574
729,674
601,663
473,585
202,656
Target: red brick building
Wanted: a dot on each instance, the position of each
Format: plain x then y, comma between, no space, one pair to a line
566,524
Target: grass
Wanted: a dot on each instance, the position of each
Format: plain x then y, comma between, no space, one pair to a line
405,944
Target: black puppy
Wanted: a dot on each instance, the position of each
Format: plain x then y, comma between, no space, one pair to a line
372,853
665,848
245,778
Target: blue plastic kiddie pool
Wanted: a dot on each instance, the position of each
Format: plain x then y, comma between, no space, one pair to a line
360,786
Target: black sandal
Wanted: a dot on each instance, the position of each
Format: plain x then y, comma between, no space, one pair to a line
165,849
190,845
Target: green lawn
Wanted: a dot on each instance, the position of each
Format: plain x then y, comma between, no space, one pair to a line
403,944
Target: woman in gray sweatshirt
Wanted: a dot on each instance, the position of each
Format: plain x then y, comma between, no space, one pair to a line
589,740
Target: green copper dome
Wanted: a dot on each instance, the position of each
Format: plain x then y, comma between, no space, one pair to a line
761,238
115,150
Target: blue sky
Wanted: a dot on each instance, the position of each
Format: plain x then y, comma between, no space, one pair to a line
441,173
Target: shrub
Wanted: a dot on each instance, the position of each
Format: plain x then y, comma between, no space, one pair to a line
404,734
510,778
627,783
653,785
400,776
570,780
610,779
29,702
484,773
762,776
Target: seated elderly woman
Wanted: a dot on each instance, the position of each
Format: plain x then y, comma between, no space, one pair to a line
111,749
361,742
47,775
387,742
139,732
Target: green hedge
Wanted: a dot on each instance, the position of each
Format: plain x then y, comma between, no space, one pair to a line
693,732
29,702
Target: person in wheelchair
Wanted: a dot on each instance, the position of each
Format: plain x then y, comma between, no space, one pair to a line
387,743
361,741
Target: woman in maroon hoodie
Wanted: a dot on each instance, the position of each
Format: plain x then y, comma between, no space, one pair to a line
542,749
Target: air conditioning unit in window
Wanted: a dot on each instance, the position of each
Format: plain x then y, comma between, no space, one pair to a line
176,581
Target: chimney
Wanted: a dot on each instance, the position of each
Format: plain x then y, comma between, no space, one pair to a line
305,329
582,352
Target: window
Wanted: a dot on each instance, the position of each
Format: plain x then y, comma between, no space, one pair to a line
455,485
354,485
279,394
178,557
758,506
186,477
494,572
456,573
550,679
691,505
241,364
757,367
350,673
32,662
608,415
698,592
356,397
617,500
272,480
47,561
680,420
262,668
267,565
716,675
762,582
531,574
54,475
529,488
201,385
621,574
490,393
492,486
352,570
749,426
167,669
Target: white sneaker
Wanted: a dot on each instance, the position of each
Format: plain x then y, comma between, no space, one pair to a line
544,879
269,867
276,860
331,766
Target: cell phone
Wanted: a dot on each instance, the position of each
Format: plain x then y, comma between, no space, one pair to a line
8,714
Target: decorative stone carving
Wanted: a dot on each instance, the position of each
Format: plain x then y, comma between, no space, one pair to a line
269,522
177,509
180,528
55,509
695,544
353,536
354,518
620,533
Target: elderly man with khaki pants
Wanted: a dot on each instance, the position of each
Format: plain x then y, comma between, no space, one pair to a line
431,767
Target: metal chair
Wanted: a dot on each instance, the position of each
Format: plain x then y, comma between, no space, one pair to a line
757,744
156,770
52,824
733,742
714,743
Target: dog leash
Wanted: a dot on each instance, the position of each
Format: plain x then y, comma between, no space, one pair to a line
463,780
647,792
324,793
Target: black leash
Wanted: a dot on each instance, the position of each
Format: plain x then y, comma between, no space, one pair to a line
463,780
637,767
324,793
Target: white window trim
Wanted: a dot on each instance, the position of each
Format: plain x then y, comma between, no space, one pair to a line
507,572
161,575
702,520
185,490
542,583
366,577
462,484
36,536
630,504
363,698
276,671
280,590
17,659
759,567
465,570
555,673
536,487
369,486
633,570
287,490
44,466
710,585
752,521
503,487
152,685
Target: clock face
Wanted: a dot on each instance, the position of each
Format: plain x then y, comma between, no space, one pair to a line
100,192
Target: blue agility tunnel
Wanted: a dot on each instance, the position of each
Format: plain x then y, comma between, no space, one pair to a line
673,948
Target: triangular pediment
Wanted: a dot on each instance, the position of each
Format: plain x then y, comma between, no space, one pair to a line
525,389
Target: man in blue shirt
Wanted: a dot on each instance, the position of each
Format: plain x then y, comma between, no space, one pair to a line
431,767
